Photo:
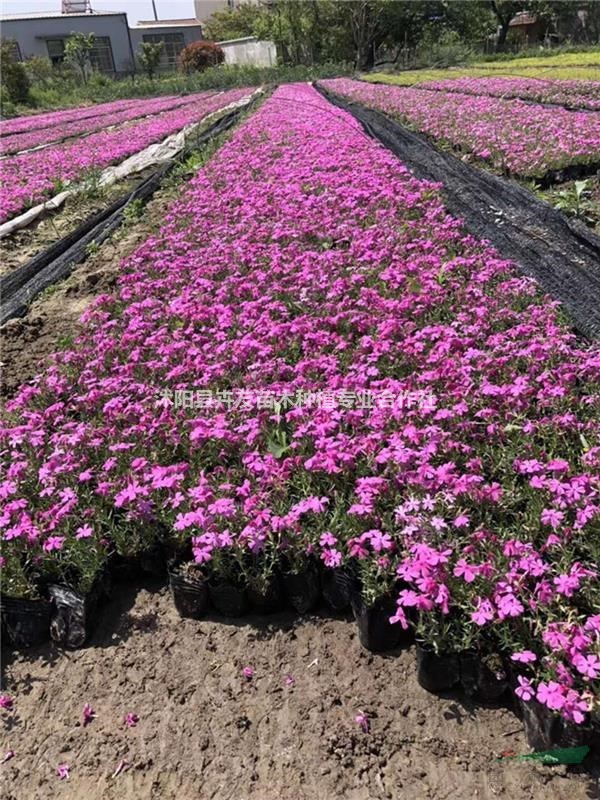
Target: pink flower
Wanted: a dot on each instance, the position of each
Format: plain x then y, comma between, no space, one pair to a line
524,657
552,517
84,532
331,558
551,695
131,720
54,543
461,521
483,613
63,771
88,714
363,721
327,539
290,680
466,571
587,665
525,689
248,673
6,702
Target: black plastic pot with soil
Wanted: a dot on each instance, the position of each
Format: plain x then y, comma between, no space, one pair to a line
375,631
437,672
337,586
230,599
546,729
189,589
74,613
266,598
482,677
303,588
25,622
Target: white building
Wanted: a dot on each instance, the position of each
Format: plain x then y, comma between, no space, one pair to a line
44,34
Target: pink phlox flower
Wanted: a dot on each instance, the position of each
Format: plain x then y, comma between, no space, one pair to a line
551,695
131,719
362,720
524,657
88,714
525,689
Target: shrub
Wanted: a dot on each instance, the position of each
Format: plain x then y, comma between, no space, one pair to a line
149,57
198,56
15,82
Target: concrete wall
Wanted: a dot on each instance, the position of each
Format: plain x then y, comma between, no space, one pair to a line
31,34
250,51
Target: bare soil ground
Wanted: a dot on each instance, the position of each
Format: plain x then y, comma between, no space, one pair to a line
205,731
28,242
53,318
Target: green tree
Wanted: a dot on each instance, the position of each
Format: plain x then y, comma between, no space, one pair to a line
235,23
505,11
15,83
78,48
148,57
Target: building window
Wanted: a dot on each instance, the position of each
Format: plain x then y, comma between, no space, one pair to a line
56,50
101,56
173,44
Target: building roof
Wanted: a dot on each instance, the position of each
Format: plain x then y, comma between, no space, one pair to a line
241,39
523,18
58,15
167,23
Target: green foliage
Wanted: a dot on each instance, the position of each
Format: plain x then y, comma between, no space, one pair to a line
575,201
77,51
148,57
245,20
15,83
198,56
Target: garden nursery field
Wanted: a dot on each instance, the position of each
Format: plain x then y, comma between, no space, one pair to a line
300,442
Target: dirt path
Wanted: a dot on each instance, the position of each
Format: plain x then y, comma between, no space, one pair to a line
206,732
562,255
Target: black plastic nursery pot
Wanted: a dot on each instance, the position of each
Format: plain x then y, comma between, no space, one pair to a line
302,589
437,672
228,599
74,614
479,680
375,631
26,622
337,586
267,600
189,593
545,729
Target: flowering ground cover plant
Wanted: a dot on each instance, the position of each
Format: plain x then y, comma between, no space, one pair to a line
89,124
571,94
304,267
48,119
512,135
27,178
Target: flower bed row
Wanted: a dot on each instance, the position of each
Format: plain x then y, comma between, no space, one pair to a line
53,133
28,178
574,95
513,136
49,119
313,362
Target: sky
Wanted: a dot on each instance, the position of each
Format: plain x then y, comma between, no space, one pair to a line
136,9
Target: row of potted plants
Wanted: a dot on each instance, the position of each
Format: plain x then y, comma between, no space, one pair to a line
304,258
